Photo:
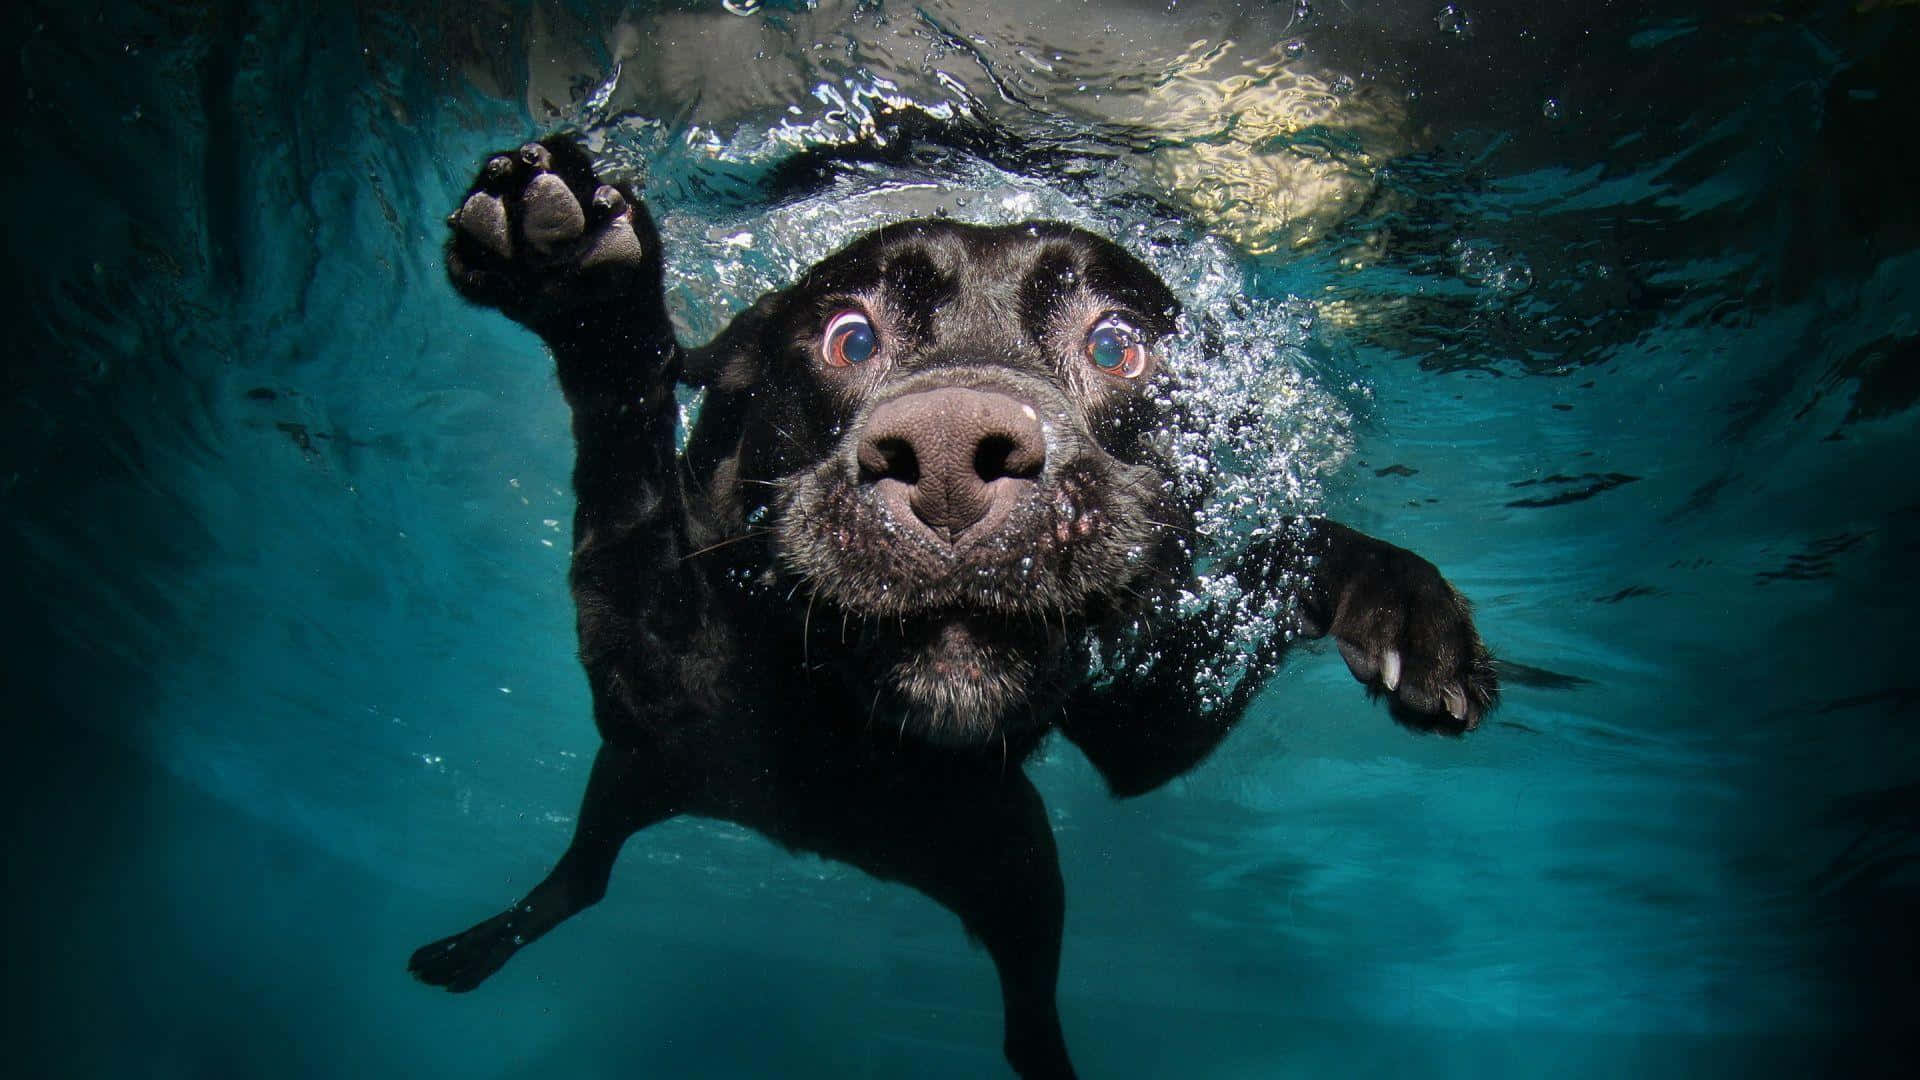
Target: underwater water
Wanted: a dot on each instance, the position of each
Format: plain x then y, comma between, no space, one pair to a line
1611,310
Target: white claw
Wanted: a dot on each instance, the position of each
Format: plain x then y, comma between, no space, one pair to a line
1390,670
1456,702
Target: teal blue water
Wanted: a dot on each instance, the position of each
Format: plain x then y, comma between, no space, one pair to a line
1613,313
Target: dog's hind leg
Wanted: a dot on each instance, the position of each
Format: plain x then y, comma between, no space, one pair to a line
1002,877
1019,918
624,795
981,844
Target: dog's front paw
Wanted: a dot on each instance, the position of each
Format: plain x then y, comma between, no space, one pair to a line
1406,633
539,237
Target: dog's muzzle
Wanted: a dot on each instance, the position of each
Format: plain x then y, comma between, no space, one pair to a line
953,459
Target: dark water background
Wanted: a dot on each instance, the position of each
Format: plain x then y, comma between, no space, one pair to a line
1623,312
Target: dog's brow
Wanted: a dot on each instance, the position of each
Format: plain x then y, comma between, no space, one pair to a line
917,287
1044,289
1135,287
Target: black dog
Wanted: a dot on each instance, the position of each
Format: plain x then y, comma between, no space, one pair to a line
926,515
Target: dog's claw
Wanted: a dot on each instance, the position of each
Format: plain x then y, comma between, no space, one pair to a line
607,201
1405,633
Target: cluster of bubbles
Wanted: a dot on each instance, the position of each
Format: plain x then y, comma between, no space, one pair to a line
1499,275
1260,434
1260,429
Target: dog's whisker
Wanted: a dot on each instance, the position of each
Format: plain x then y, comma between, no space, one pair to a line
728,542
788,435
1170,526
806,631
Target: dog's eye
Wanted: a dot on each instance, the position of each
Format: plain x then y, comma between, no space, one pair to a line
1114,346
849,340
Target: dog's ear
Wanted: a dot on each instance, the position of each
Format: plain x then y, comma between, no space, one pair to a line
735,360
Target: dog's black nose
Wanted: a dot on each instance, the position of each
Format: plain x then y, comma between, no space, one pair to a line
958,457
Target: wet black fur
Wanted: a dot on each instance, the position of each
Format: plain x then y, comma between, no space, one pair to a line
767,641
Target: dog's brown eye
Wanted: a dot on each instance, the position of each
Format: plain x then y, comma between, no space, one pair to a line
849,340
1115,346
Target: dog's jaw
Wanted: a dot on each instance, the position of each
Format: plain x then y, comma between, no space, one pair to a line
961,680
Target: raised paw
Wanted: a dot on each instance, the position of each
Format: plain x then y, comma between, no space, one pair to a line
1407,634
463,961
539,237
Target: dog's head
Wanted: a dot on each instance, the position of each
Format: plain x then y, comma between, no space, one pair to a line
956,436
